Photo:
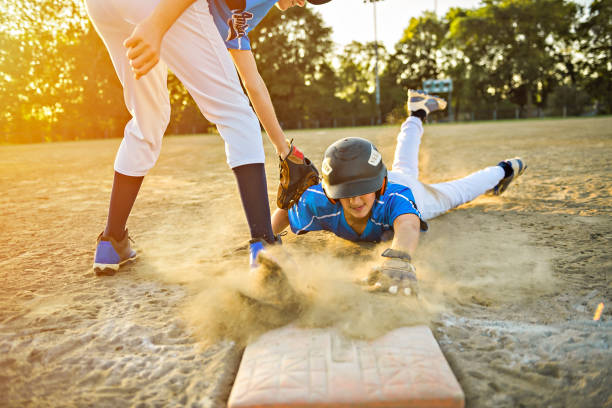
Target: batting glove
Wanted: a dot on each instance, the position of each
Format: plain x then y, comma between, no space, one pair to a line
394,275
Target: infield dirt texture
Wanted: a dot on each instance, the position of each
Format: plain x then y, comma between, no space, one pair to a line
510,284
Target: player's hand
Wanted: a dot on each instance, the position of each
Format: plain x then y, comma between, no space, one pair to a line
143,48
394,275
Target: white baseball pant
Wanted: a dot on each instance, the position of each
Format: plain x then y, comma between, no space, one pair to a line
435,199
193,49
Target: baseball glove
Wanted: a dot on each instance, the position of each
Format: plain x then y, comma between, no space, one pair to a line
297,173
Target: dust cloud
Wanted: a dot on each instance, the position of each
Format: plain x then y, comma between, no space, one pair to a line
502,265
453,268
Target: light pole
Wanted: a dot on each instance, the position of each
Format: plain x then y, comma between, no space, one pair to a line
378,118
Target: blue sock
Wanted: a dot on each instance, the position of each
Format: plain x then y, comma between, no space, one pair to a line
251,179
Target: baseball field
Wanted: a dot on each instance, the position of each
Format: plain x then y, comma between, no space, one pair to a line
510,285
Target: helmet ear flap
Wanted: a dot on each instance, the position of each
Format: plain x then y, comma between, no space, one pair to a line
382,189
331,200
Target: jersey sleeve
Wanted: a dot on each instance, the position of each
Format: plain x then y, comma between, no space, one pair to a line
236,18
304,215
402,202
239,43
237,37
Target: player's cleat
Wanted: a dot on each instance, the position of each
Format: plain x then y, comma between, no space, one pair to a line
420,100
517,167
256,245
111,254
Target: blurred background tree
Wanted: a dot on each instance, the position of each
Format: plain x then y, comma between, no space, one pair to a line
507,58
595,68
417,56
356,86
54,74
292,51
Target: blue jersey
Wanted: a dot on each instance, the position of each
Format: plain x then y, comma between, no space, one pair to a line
236,18
315,212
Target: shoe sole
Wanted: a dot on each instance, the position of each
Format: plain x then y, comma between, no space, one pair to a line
110,269
440,104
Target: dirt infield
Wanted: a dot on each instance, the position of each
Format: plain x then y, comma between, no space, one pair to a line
510,284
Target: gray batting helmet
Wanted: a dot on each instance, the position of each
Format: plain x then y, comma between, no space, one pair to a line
352,167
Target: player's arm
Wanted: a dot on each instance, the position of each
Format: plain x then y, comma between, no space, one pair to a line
280,220
407,228
144,44
260,98
395,273
297,172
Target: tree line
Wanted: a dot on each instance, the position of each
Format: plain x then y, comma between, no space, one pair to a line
516,58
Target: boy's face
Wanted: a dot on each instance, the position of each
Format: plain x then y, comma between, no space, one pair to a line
358,207
285,4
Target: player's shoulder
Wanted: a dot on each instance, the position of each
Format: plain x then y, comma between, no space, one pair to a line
315,191
312,207
314,201
396,193
395,188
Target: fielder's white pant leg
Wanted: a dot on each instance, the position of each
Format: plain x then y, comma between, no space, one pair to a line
146,99
195,52
406,159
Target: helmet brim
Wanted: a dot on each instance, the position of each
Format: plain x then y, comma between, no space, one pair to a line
318,2
354,188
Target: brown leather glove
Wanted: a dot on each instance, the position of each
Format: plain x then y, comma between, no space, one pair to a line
297,173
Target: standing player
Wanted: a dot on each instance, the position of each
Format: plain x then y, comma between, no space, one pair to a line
180,35
359,201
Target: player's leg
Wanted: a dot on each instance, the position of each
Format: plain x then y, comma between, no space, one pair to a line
419,105
442,197
406,158
195,52
436,199
147,101
512,169
439,198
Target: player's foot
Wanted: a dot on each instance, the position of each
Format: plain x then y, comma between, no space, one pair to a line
111,254
257,245
418,100
513,168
